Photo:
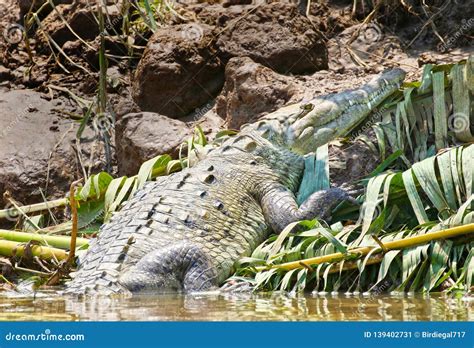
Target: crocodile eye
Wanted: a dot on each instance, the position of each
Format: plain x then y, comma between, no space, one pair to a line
250,146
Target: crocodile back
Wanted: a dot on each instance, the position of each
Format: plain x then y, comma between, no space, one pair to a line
214,205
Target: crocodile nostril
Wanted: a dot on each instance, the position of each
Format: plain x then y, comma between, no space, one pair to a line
210,179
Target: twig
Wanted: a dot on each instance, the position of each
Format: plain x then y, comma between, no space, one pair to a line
50,40
386,59
78,151
80,101
379,242
41,264
73,203
428,22
47,207
29,270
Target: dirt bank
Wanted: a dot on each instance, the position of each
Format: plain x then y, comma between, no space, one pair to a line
215,65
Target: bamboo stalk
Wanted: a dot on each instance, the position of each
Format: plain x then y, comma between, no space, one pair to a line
5,213
350,265
378,258
61,242
10,248
362,251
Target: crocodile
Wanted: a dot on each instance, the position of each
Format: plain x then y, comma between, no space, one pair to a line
184,232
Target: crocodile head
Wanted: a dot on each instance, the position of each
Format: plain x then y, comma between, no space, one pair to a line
323,119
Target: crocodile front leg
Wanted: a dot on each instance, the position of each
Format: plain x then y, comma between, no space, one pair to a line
280,207
181,266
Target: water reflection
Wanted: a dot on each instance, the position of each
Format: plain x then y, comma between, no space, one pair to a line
238,307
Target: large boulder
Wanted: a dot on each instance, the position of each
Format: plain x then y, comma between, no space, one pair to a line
141,136
179,71
250,90
34,140
182,67
277,36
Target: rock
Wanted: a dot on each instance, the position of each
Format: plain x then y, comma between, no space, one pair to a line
10,15
37,147
31,137
210,124
124,105
210,14
80,16
277,36
179,71
25,5
5,73
251,89
144,135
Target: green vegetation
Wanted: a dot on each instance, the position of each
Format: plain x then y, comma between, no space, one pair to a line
435,194
405,216
412,232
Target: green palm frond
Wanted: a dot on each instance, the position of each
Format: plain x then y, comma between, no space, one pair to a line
398,207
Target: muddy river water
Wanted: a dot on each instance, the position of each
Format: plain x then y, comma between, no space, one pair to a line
239,307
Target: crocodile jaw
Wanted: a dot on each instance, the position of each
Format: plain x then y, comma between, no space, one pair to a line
337,114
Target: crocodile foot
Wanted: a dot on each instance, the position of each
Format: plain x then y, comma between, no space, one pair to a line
181,266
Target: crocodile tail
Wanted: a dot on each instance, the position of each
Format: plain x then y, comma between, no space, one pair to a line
101,280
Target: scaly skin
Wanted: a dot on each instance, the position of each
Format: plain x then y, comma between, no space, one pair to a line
185,231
